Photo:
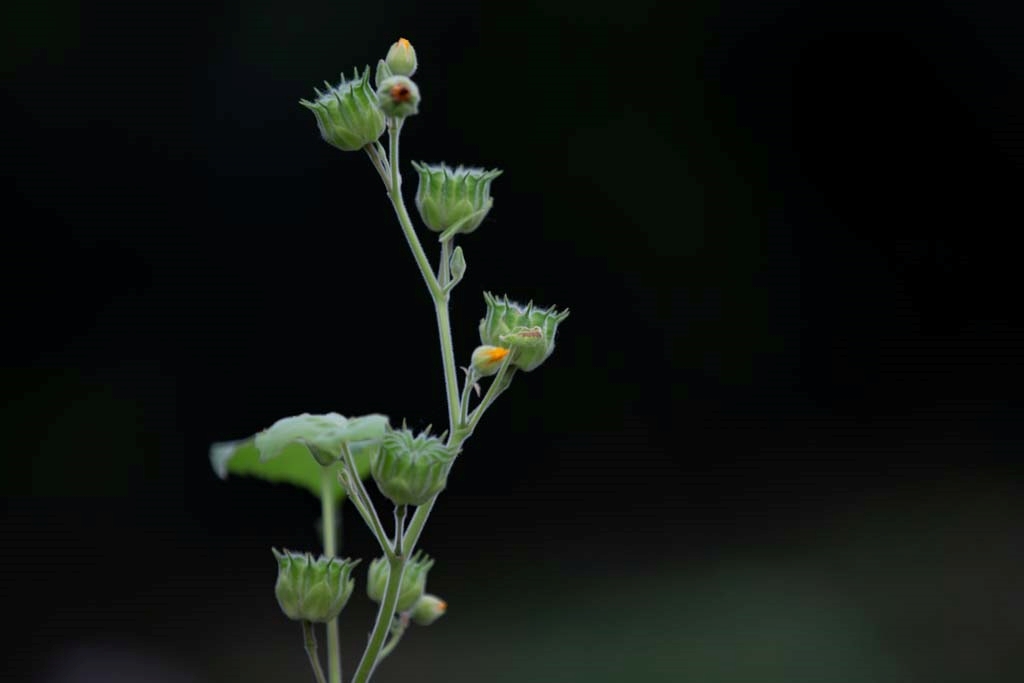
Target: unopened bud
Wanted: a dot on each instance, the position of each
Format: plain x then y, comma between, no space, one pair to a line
401,58
453,200
409,469
398,96
457,264
414,580
310,589
428,609
348,115
487,359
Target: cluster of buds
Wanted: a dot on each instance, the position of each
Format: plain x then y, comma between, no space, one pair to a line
410,469
352,115
311,589
527,332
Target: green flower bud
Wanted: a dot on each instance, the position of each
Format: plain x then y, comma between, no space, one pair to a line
527,331
452,201
487,360
410,470
414,580
348,115
377,579
428,609
401,58
312,590
398,96
457,264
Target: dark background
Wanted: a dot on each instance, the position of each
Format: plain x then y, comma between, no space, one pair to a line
779,439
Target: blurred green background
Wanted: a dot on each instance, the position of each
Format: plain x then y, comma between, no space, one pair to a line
778,441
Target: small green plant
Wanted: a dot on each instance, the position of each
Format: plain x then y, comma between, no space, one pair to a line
330,455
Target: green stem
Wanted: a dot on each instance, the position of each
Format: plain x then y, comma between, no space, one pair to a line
400,511
396,635
395,192
314,661
451,378
467,387
330,524
396,567
497,387
361,499
434,286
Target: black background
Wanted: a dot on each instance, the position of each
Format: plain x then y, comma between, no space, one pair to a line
785,232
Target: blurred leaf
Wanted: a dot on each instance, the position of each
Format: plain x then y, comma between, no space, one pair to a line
292,449
294,465
322,434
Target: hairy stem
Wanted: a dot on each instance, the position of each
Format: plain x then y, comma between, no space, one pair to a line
310,637
396,567
330,524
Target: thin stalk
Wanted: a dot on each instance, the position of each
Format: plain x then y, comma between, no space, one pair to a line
396,636
395,192
498,385
314,660
434,286
378,162
396,567
467,387
451,378
400,511
361,500
330,524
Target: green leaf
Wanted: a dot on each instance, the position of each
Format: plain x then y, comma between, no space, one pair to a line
291,450
293,465
322,434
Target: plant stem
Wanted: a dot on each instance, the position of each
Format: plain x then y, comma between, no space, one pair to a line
400,511
434,285
395,192
396,567
330,524
396,635
361,499
498,385
314,661
444,330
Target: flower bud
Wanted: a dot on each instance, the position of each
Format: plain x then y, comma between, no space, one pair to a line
398,96
348,115
377,579
528,332
410,470
312,590
401,58
452,201
428,609
487,360
457,264
414,580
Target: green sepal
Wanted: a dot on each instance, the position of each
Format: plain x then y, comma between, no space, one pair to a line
475,217
383,73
